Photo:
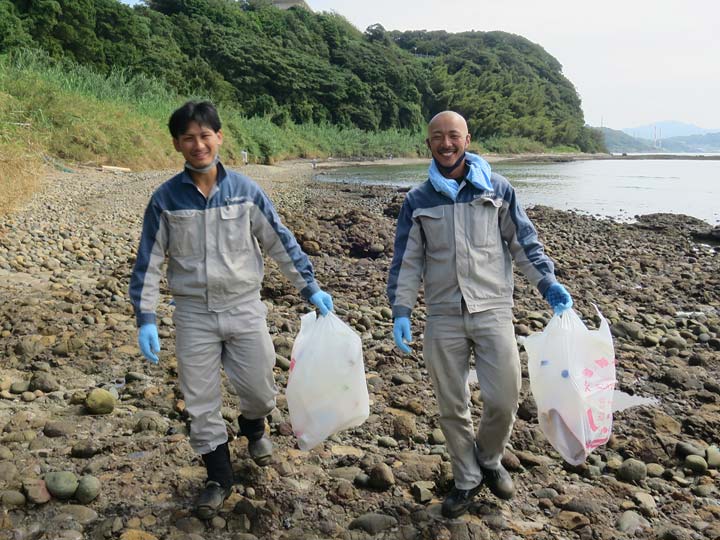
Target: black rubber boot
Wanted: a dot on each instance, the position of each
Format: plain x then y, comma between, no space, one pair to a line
499,482
458,501
252,429
219,482
260,446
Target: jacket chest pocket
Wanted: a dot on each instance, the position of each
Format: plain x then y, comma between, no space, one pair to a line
435,227
234,229
185,233
483,223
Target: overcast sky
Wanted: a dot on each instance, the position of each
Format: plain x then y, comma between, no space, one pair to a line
633,62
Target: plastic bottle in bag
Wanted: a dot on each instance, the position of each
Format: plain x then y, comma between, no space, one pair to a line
572,378
327,390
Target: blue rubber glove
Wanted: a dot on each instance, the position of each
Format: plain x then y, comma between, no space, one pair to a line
149,342
558,298
322,301
402,333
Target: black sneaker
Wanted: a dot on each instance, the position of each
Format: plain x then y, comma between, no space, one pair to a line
458,501
499,482
211,499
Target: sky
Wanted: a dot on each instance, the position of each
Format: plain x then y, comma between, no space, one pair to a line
633,62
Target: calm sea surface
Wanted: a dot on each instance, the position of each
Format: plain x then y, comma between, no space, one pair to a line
620,189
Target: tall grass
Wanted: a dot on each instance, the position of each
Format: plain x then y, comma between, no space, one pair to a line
53,108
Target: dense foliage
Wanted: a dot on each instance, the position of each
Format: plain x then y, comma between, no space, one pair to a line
299,67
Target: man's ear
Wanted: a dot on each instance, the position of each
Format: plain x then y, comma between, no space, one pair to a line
176,144
467,140
220,136
427,142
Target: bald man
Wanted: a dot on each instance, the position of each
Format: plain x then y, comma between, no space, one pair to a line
457,234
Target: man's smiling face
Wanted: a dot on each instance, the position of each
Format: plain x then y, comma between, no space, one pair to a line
448,138
199,144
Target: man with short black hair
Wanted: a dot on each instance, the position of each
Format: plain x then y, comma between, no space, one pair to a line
210,222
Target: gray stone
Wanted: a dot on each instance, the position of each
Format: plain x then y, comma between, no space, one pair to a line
713,457
387,442
404,427
12,498
84,449
20,387
674,532
655,470
88,489
631,523
632,470
402,378
44,382
696,464
100,401
381,477
58,428
373,523
81,514
8,473
683,449
545,493
647,503
61,484
36,491
437,436
422,491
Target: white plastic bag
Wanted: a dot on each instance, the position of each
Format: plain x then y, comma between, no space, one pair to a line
327,390
572,377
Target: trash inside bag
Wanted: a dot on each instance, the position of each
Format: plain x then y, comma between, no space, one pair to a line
326,390
572,377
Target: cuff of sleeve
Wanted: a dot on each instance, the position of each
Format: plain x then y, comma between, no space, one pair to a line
145,318
545,283
311,289
401,311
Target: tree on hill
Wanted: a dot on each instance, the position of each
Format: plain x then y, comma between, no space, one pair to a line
295,65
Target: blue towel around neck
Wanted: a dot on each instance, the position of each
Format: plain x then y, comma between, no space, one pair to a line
478,175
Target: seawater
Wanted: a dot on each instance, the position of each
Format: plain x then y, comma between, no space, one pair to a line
618,189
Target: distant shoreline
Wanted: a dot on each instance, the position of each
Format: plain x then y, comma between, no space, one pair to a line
496,158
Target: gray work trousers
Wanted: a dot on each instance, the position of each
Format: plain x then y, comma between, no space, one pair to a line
449,342
236,340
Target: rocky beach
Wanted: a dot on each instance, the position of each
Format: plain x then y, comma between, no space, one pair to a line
93,438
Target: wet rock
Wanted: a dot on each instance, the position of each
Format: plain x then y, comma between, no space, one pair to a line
373,523
404,427
100,401
88,489
61,484
631,523
36,491
82,514
44,382
713,457
382,477
58,428
84,449
696,464
12,499
422,491
632,471
684,449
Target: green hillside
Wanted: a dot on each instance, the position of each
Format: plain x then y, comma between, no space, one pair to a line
706,143
301,67
618,142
